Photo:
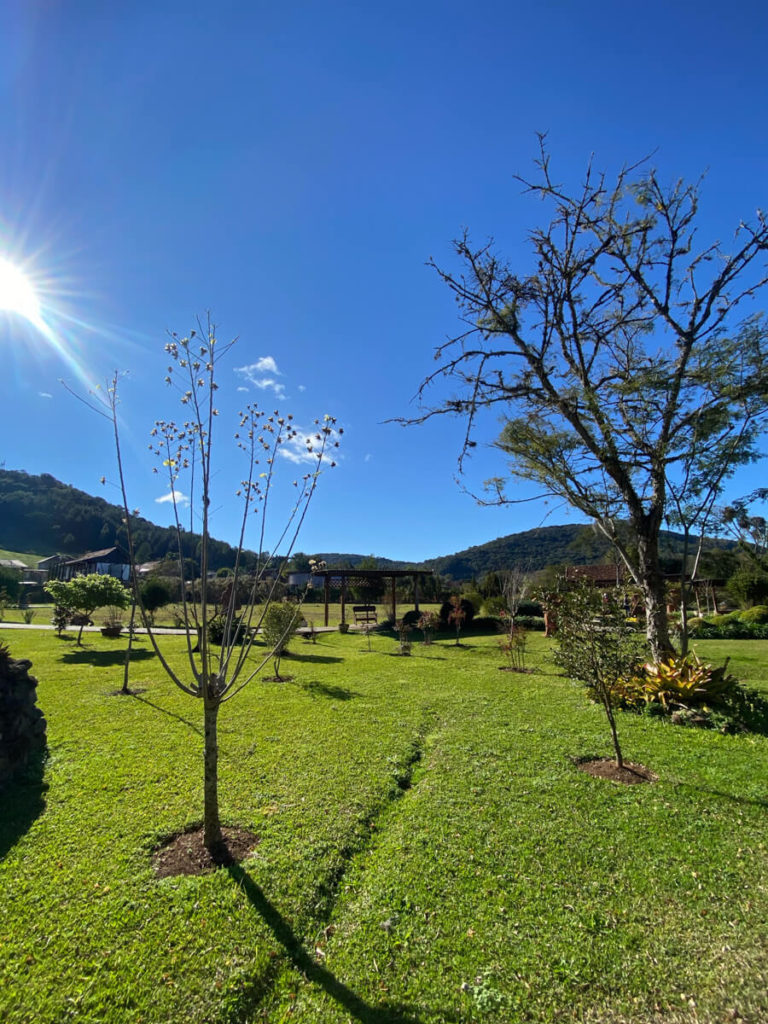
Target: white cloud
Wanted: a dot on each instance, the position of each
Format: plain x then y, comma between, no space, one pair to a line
296,450
181,498
302,387
368,457
262,374
44,394
243,389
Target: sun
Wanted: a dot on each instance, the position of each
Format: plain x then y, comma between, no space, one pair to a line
17,294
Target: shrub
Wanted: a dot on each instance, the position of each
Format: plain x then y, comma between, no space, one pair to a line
513,644
155,593
239,632
529,622
488,624
530,608
748,586
757,615
427,624
279,625
448,608
721,620
597,646
733,629
411,618
493,606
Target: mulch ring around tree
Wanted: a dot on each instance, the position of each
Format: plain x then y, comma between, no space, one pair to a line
605,768
185,854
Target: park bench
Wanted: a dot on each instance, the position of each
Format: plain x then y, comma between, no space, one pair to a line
364,613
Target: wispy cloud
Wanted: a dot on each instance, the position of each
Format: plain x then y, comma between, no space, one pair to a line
262,375
296,449
179,496
44,394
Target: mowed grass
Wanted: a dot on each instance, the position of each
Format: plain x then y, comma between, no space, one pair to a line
429,851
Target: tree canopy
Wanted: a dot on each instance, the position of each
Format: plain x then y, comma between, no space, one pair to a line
618,359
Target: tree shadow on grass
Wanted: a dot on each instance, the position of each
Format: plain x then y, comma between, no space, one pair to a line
103,659
22,800
314,972
733,797
315,689
316,659
171,714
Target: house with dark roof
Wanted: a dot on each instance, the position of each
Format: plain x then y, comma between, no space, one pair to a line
108,562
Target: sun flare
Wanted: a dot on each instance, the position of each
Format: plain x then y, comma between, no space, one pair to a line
17,294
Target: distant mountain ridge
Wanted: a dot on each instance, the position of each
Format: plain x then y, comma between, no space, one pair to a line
39,513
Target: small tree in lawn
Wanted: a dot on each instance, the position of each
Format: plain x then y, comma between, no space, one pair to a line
185,449
457,615
279,624
155,594
84,594
596,645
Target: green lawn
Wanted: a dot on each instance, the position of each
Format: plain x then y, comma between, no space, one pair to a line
429,851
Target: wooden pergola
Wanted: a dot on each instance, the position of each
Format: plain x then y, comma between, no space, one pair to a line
342,579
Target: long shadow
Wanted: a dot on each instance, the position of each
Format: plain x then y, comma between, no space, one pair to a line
354,1004
104,659
733,797
22,801
171,714
317,659
315,689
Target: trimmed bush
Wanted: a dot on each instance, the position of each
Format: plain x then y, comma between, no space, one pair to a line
529,622
446,609
757,616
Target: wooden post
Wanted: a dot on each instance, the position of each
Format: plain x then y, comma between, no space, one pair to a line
326,594
343,596
416,593
394,598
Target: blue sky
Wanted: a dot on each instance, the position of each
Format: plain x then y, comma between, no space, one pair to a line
291,168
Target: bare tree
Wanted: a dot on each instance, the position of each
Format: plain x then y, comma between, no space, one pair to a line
515,584
612,358
216,673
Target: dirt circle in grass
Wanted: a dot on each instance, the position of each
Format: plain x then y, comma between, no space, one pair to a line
605,768
185,854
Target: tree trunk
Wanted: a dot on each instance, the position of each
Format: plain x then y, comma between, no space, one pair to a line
212,837
614,732
652,584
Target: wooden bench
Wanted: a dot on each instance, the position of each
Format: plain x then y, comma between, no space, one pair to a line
364,613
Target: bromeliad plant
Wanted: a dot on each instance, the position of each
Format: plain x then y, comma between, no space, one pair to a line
679,682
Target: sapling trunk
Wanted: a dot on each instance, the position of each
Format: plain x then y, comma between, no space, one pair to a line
212,836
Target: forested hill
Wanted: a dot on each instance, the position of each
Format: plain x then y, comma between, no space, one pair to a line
576,544
41,514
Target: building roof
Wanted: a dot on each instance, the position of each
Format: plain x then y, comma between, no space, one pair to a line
95,556
600,575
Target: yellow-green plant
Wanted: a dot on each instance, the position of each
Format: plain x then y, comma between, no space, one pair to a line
681,682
